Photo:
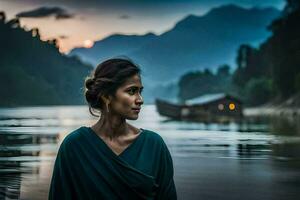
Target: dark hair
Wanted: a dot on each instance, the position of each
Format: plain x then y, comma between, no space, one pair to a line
106,79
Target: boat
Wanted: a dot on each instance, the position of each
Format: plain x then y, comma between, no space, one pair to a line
220,107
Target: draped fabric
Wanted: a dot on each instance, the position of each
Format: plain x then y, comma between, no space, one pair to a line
86,168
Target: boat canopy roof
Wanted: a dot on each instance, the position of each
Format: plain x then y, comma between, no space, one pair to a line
206,98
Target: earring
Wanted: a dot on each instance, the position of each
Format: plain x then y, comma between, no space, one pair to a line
107,107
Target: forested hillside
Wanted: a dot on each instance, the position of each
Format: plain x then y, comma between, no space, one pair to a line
34,72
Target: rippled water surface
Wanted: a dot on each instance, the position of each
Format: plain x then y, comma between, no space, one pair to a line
258,159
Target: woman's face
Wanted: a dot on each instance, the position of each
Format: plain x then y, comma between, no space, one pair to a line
128,99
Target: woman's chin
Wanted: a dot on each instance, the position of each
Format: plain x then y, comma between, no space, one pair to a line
133,117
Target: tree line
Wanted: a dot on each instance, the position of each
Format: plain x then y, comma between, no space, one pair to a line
271,71
34,72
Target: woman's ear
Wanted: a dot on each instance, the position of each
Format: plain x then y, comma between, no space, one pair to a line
106,99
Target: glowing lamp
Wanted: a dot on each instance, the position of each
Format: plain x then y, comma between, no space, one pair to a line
231,106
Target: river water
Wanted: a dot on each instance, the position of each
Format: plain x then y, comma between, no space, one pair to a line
258,159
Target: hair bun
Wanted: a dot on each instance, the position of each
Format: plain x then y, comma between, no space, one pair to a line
89,82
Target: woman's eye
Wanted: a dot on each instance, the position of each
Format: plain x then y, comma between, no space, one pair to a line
131,91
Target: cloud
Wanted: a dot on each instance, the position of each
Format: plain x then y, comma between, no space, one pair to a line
124,16
58,12
63,37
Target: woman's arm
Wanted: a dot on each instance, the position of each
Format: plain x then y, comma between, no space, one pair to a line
60,186
167,189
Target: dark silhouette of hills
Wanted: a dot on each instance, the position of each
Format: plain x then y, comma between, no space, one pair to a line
115,44
204,42
195,42
33,72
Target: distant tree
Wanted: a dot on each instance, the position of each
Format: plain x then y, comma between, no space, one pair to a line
239,76
14,23
297,82
223,70
35,32
283,49
53,42
258,91
207,72
242,59
2,17
291,6
249,65
193,84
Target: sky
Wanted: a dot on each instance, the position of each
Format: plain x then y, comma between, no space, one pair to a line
77,23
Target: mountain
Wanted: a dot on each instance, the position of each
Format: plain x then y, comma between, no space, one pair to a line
204,42
195,42
115,44
33,72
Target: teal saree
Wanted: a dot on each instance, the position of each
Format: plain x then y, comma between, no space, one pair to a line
86,168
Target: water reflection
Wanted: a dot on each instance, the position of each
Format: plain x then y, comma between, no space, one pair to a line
211,161
10,185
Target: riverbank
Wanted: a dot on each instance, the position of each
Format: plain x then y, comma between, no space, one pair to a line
272,111
286,108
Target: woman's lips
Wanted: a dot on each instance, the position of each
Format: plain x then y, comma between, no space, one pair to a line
136,109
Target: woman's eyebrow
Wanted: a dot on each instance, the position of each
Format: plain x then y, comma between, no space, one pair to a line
135,87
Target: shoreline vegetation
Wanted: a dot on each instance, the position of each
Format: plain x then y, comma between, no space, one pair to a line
286,108
34,72
266,77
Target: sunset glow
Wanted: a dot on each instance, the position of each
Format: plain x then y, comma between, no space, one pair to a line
88,43
99,19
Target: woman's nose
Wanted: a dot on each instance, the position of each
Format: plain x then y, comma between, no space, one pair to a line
139,98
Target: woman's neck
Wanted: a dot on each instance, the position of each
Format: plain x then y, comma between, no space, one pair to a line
112,127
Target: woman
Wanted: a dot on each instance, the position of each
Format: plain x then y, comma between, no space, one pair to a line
113,159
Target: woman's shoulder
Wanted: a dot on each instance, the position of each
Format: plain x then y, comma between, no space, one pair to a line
156,141
73,137
154,136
